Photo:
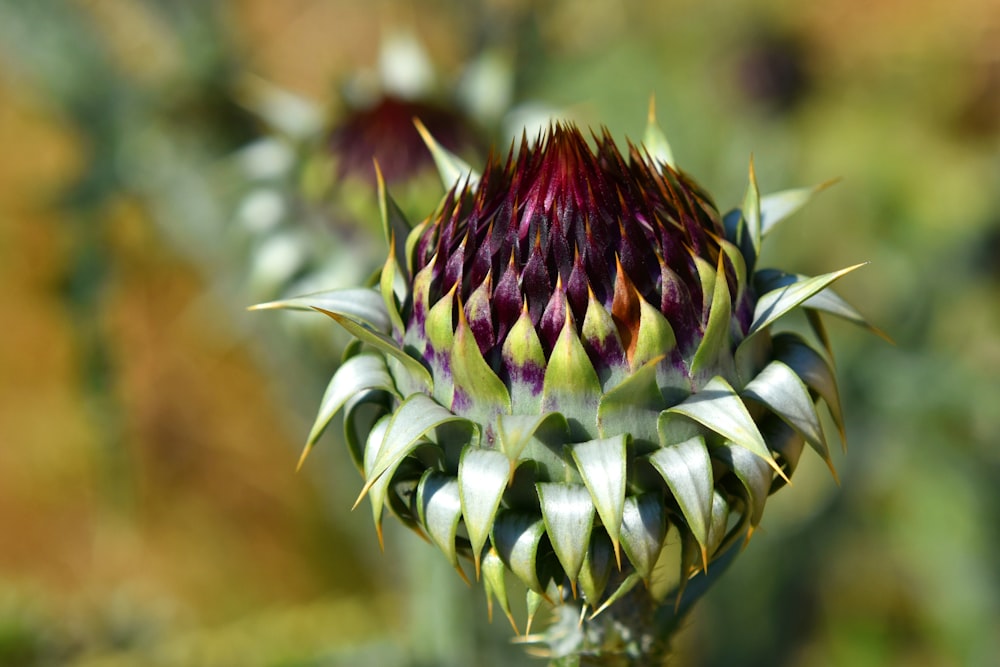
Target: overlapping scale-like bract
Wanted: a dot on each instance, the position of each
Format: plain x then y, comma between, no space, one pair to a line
582,362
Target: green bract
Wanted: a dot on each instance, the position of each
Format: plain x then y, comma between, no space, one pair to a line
574,357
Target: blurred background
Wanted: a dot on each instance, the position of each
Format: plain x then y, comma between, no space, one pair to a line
165,164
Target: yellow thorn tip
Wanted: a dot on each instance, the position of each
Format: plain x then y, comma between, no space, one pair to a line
364,492
302,457
425,133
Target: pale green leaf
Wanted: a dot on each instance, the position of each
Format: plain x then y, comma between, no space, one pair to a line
828,301
691,551
620,592
687,470
568,513
359,373
814,370
718,407
482,478
496,586
361,304
440,510
602,466
755,475
644,528
516,536
416,416
780,301
597,567
783,391
380,488
532,601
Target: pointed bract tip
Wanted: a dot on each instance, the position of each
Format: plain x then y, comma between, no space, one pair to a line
379,178
827,184
654,140
303,455
425,134
781,473
513,623
364,492
833,471
451,168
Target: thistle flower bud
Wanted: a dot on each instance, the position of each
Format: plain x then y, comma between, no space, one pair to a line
574,357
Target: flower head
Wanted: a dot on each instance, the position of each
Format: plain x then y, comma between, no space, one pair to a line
572,357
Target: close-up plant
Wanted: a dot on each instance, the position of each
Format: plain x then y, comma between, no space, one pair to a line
397,333
574,357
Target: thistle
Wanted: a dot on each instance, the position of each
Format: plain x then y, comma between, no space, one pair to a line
572,365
